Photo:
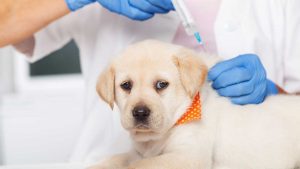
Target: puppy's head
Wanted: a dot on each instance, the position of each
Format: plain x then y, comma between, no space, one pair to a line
152,83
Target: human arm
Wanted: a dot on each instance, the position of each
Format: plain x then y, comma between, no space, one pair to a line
21,19
243,79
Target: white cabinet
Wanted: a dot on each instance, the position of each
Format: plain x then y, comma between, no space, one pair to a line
39,128
40,116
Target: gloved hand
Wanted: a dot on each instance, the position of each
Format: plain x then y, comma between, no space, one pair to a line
133,9
74,5
138,9
242,79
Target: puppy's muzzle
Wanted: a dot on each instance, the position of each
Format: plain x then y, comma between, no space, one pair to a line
141,113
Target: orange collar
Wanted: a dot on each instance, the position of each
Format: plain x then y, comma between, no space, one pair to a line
193,112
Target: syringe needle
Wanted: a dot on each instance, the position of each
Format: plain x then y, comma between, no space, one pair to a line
198,37
187,20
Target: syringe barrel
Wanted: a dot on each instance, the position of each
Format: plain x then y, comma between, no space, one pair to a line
190,28
187,20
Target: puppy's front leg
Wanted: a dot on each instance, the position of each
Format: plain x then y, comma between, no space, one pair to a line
120,161
173,161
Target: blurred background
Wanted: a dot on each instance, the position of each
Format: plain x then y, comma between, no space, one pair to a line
40,106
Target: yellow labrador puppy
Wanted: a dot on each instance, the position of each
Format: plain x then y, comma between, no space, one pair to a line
154,84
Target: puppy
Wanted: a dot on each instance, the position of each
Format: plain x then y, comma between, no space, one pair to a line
153,85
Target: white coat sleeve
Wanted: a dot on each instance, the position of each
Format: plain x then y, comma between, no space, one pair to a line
292,47
53,37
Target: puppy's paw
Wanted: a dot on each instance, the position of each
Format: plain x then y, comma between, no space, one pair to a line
116,162
140,167
97,167
101,166
145,167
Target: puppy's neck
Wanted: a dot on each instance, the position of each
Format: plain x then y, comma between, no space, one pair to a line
151,148
181,110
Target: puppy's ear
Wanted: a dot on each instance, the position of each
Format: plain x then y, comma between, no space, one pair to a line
106,86
192,70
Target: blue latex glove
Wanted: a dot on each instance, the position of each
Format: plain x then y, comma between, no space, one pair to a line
77,4
153,6
242,79
133,9
138,9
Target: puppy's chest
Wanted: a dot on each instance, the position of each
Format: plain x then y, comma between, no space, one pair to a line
150,149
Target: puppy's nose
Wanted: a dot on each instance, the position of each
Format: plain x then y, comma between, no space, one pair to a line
141,113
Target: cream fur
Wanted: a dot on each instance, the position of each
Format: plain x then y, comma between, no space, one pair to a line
265,136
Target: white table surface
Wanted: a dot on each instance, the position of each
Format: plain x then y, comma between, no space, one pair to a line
50,166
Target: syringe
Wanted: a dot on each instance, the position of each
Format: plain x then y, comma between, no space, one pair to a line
187,20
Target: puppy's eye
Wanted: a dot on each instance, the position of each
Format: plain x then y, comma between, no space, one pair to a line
160,85
127,86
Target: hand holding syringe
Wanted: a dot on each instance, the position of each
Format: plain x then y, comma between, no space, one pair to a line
188,21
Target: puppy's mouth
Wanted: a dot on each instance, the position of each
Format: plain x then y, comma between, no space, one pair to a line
142,128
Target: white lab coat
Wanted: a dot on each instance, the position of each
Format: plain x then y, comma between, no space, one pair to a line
269,28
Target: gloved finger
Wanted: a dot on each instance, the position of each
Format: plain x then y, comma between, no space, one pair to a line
164,4
272,88
220,67
123,8
146,6
136,14
237,90
255,97
232,76
74,5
